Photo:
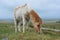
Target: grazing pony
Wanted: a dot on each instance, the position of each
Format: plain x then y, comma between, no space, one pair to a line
24,14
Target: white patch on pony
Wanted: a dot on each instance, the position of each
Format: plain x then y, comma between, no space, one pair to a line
20,12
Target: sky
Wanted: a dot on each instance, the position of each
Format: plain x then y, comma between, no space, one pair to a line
47,9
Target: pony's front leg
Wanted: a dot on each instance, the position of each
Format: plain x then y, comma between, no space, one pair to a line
37,26
23,24
27,25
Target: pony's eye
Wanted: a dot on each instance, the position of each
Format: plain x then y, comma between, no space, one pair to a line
38,25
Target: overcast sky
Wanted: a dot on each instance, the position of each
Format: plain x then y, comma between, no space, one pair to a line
45,8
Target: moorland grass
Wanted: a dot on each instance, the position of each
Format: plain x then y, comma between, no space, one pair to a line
7,30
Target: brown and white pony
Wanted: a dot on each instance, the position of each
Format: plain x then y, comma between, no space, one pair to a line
24,14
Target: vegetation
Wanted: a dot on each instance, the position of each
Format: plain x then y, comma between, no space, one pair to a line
7,32
57,21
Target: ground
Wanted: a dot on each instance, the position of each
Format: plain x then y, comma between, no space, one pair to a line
7,32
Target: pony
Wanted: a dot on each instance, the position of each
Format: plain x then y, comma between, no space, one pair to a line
24,14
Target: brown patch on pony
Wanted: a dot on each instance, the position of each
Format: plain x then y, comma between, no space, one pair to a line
35,17
36,20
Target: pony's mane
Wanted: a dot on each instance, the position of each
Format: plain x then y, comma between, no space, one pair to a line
26,5
20,6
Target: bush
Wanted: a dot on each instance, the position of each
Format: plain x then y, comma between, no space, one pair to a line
57,21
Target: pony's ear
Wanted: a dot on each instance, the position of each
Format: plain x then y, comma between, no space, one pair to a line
25,4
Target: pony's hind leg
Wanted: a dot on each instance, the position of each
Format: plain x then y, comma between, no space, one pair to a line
19,27
15,21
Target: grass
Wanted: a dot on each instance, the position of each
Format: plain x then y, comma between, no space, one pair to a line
7,31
